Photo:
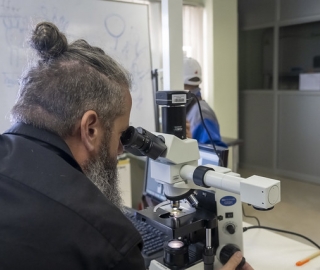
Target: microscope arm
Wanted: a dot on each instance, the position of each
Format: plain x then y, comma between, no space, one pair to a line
259,191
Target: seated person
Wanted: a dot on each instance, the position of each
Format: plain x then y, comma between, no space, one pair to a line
192,79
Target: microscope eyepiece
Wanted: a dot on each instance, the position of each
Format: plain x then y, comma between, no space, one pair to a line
139,141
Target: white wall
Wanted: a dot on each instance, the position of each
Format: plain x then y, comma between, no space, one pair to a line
221,66
224,97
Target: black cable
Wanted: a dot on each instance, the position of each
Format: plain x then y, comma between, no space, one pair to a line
155,78
212,142
282,231
273,229
244,214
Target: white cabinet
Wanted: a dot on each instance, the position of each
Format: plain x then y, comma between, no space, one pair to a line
278,122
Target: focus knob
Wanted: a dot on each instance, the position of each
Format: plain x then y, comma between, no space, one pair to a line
231,229
227,251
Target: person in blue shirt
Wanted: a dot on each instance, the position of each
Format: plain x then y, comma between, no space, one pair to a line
192,77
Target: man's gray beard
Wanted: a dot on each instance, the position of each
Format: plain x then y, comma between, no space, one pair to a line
103,172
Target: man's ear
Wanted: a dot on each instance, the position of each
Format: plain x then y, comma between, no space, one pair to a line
91,131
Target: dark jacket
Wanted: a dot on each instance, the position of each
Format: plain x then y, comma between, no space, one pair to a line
51,215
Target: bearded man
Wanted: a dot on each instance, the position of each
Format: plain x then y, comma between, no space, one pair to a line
59,197
60,203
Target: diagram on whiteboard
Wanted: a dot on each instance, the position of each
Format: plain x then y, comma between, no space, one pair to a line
106,24
127,44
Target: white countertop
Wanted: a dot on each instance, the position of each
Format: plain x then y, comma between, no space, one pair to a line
267,250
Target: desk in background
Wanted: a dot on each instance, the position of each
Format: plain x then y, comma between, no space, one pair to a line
233,145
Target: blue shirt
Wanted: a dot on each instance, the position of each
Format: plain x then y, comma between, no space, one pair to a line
197,128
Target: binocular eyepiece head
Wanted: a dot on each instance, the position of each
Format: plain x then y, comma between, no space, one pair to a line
141,142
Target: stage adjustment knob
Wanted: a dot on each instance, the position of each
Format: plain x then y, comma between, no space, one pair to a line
231,229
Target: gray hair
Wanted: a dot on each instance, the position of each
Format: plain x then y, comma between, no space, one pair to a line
67,81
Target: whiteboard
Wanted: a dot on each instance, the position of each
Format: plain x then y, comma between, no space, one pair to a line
120,29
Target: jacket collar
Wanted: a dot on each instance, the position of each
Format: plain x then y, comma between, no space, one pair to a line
45,138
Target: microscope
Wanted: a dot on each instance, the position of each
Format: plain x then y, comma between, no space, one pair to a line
203,212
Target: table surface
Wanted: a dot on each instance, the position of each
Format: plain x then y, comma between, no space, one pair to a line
231,141
267,250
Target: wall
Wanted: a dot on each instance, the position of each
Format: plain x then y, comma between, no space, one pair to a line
221,64
225,69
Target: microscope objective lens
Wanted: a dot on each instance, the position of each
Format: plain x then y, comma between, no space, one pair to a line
175,213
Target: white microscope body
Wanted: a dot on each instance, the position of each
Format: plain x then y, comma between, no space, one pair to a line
175,165
176,171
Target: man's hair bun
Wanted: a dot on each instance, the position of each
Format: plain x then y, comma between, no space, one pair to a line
48,41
